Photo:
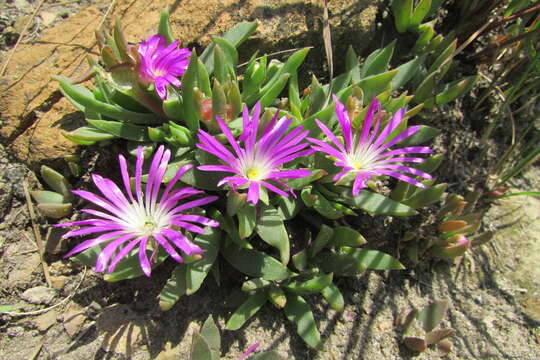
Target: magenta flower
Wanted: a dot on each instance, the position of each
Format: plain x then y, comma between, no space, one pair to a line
367,153
258,162
162,63
147,220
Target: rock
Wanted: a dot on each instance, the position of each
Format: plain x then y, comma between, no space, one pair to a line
15,331
39,295
45,321
47,18
6,194
74,318
35,112
123,329
58,282
16,174
22,272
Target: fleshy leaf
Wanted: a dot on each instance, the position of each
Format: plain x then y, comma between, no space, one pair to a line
315,284
246,310
298,311
433,314
376,260
345,236
333,296
377,204
174,288
200,349
271,229
210,333
255,263
198,271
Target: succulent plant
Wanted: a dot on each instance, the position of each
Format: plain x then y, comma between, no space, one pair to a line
55,204
420,328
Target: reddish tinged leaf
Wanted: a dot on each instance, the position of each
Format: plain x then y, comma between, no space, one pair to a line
415,344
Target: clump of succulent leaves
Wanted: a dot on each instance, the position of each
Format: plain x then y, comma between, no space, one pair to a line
457,227
57,202
286,248
206,344
435,51
421,328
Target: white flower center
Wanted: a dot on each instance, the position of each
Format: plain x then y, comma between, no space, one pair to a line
145,221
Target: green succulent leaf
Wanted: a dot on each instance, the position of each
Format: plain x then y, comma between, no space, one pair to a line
57,182
198,271
47,197
255,263
432,315
375,260
377,203
300,183
55,211
298,311
189,81
235,35
288,207
122,130
315,284
210,333
246,310
87,134
426,196
271,229
402,11
272,93
247,219
340,263
406,72
200,349
375,84
164,27
378,61
333,296
345,236
455,89
423,135
255,284
300,260
352,65
86,101
174,289
324,236
419,13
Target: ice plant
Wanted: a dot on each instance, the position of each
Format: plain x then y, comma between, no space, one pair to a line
256,159
161,63
145,220
367,153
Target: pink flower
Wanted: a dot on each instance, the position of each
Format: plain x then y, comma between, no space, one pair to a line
147,220
367,153
162,64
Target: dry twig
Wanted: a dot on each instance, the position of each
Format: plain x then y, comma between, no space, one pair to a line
37,235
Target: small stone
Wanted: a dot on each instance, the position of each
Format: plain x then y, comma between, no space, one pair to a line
15,331
39,295
58,282
45,321
74,319
47,18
